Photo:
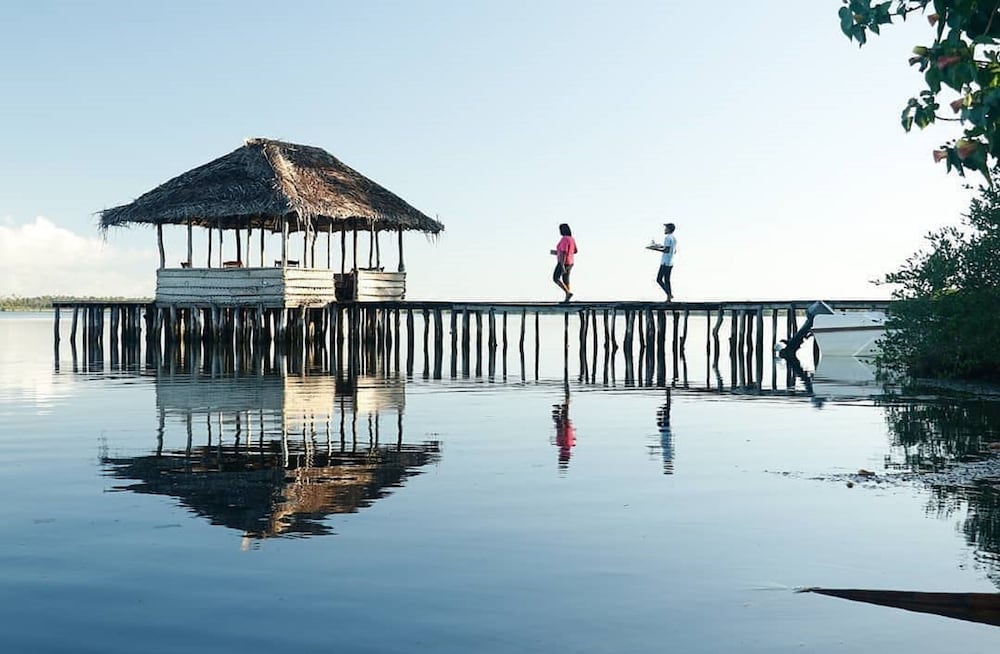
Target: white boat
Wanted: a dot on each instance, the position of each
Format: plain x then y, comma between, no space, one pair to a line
849,333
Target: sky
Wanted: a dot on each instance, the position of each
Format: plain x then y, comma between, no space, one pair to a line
770,140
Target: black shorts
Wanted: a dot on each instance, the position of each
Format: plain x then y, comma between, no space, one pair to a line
561,273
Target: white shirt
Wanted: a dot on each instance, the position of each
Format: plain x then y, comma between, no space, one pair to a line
669,248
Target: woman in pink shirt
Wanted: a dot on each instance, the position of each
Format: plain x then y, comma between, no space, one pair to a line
565,252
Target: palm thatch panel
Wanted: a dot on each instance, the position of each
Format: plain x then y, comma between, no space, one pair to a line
267,181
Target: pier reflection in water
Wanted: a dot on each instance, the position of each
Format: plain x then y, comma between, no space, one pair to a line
755,497
273,455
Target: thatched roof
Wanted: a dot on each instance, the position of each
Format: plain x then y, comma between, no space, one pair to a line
258,184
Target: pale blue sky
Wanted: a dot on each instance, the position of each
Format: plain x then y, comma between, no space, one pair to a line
769,139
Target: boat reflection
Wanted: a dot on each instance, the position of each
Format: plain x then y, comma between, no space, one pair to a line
271,455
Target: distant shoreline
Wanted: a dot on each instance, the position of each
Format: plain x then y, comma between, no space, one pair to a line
12,304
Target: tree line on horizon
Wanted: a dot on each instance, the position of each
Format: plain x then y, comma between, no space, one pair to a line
44,302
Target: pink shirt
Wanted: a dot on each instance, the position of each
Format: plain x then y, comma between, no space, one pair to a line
567,247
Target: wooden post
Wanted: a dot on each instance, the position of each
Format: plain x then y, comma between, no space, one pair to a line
190,241
538,345
566,347
329,245
760,345
684,334
524,319
159,244
465,343
504,345
661,347
72,329
262,264
55,327
650,346
614,339
607,333
284,249
402,266
371,244
427,332
239,247
355,256
249,244
208,259
378,249
454,343
221,239
479,343
593,368
343,252
409,341
491,343
627,337
438,342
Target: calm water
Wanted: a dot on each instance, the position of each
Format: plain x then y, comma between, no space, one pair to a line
183,510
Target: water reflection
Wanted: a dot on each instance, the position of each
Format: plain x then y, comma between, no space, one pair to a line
269,455
565,437
666,436
948,438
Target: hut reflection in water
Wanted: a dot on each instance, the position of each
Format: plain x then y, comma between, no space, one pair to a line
271,455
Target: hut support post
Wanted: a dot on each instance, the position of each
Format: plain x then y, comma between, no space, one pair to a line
402,266
343,252
284,242
159,244
190,244
329,246
261,246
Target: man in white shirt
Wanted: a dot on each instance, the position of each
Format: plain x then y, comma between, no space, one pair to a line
669,248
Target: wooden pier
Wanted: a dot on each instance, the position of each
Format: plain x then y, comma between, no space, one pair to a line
356,338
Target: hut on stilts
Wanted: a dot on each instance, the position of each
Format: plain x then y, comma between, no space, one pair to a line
271,186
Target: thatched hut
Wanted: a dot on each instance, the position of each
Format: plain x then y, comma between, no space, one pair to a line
274,186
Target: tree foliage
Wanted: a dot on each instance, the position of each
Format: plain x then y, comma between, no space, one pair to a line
946,307
961,62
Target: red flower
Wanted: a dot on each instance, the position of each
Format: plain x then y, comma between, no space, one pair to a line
944,62
966,148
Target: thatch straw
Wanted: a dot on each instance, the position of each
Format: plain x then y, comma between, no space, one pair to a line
266,180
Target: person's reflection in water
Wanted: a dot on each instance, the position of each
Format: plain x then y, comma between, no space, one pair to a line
565,434
666,438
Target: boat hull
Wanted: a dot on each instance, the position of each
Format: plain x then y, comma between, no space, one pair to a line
849,333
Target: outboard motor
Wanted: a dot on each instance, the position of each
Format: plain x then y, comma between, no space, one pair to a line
792,346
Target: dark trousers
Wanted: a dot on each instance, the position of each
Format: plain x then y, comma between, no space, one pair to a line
561,273
663,279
